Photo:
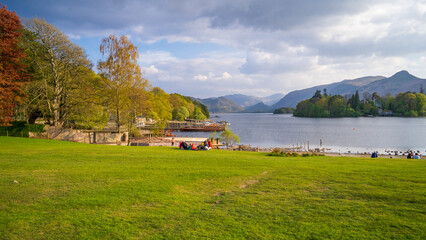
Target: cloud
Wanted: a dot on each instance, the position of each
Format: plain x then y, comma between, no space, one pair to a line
152,57
72,36
151,70
200,77
271,45
226,76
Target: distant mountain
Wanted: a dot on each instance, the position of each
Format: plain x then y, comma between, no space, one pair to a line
270,100
246,101
243,100
258,108
221,105
399,83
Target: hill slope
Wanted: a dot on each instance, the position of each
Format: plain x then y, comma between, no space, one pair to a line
398,83
246,101
221,105
243,100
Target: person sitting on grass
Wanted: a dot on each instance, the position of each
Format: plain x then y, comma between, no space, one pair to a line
417,156
210,145
374,155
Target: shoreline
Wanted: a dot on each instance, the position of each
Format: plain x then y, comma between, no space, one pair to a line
166,141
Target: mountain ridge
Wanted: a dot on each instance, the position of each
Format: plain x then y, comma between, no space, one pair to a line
400,82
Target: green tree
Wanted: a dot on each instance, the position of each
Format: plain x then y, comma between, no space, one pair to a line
355,101
317,96
180,113
121,75
86,101
337,106
421,104
160,109
229,138
58,61
198,114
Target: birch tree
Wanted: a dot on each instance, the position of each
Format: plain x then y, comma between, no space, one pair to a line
122,77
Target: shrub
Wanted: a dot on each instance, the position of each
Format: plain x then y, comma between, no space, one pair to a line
21,129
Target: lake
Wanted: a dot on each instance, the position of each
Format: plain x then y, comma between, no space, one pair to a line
362,134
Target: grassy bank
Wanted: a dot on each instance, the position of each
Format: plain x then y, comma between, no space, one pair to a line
62,190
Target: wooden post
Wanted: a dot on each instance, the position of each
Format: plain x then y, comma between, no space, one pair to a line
308,146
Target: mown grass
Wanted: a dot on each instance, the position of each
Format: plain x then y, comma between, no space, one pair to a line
67,190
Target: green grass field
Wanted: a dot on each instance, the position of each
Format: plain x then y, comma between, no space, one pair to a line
62,190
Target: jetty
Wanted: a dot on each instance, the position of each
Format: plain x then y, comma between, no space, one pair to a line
193,125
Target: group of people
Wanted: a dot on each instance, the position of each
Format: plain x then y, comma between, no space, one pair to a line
412,155
206,145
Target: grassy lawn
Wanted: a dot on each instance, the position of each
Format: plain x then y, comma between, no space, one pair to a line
62,190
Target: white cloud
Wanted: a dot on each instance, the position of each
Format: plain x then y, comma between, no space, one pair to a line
226,76
200,77
151,57
272,45
72,36
151,70
138,29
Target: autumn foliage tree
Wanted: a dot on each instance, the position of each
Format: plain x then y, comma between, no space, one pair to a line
12,71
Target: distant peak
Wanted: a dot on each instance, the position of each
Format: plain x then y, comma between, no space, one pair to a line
401,73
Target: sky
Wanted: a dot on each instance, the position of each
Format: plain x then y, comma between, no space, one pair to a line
211,48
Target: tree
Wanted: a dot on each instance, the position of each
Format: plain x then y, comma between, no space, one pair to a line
198,114
229,138
120,73
355,101
325,92
377,99
12,71
180,113
86,101
337,106
57,61
317,96
161,110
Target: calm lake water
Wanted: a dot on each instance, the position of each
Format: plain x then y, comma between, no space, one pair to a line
337,134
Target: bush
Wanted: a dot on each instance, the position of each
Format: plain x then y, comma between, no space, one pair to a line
21,129
277,152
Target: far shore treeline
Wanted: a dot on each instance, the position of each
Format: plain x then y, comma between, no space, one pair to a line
44,75
333,106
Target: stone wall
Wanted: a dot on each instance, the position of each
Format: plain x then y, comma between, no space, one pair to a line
83,136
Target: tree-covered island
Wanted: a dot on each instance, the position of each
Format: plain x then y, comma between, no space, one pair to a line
333,106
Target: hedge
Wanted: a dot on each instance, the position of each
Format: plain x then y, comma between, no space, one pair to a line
21,129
